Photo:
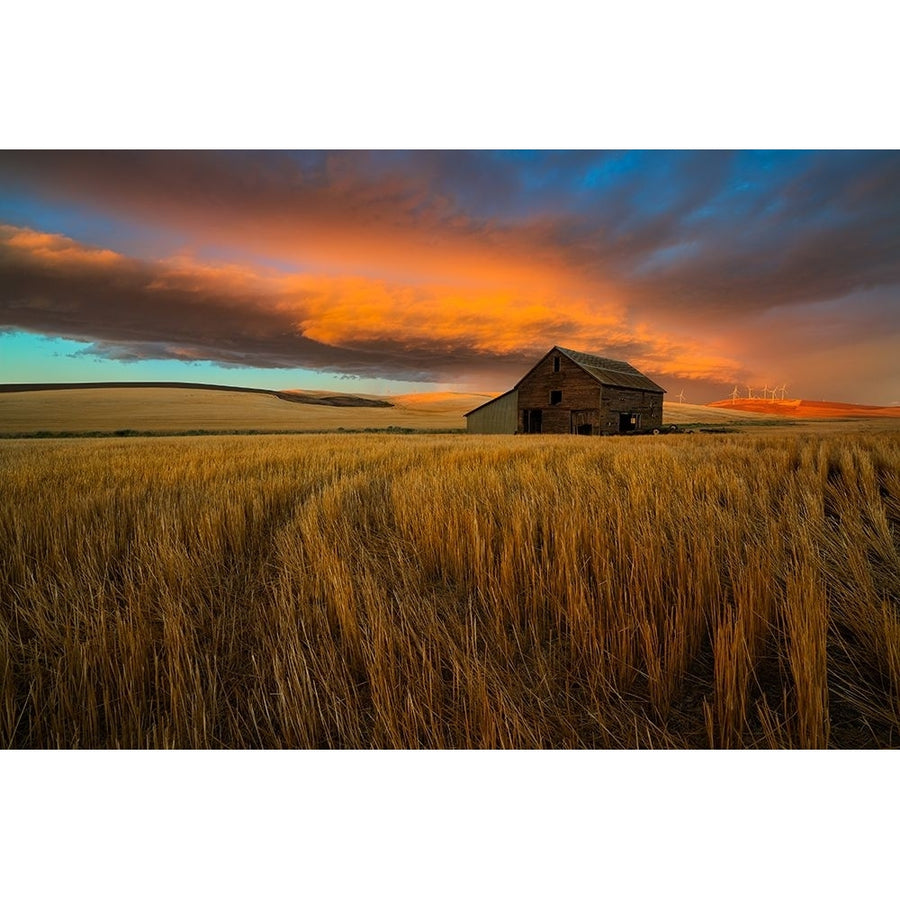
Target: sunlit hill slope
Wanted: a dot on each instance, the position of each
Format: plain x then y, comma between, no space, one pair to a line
80,408
806,409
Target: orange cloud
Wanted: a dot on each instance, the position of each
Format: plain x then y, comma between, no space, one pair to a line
186,309
55,248
356,311
683,359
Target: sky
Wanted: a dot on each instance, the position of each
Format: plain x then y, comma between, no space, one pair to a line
394,271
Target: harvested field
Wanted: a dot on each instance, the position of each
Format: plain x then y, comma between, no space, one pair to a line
146,409
386,591
691,413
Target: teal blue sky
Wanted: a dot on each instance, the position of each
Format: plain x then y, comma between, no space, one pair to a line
34,358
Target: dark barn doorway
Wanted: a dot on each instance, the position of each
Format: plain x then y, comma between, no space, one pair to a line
628,422
531,423
583,421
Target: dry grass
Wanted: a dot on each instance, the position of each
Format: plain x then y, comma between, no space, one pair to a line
684,413
370,591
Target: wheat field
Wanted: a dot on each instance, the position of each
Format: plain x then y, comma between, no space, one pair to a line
148,409
370,591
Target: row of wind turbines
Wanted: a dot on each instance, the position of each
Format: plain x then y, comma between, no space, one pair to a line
766,391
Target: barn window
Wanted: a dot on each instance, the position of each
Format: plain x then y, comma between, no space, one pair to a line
555,398
555,363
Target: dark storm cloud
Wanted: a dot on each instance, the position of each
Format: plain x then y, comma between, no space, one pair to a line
131,310
832,231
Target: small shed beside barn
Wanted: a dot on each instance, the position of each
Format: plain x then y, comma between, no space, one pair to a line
497,416
570,392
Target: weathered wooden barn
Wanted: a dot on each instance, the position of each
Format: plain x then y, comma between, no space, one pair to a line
569,392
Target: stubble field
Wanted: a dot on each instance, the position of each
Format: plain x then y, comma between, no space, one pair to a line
356,591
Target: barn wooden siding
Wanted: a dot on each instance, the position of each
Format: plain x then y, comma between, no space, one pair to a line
497,416
570,392
615,402
580,393
580,396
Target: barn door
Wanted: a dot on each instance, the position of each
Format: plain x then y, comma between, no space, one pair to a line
531,421
581,422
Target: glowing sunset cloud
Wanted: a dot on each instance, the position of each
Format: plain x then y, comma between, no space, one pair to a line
184,309
460,267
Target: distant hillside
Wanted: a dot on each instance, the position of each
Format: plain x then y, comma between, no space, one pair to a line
807,409
691,413
182,407
317,398
22,387
167,407
446,401
329,398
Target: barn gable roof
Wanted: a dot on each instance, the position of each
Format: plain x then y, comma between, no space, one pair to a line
611,372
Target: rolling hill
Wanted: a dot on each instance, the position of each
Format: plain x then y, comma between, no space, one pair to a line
691,413
182,407
154,407
807,409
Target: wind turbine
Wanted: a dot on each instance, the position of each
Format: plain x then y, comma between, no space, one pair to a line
783,389
734,395
681,397
750,393
766,391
